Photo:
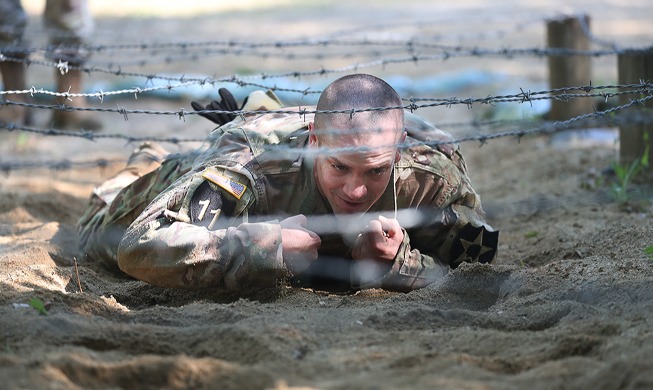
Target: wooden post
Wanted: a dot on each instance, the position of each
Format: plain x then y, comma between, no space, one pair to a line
569,71
635,66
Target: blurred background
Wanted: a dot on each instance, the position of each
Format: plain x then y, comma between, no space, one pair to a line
150,59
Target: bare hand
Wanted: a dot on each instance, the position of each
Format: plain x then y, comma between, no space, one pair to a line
379,241
299,245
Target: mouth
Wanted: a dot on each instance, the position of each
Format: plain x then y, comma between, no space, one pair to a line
349,206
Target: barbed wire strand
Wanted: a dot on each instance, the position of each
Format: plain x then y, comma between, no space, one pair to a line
417,25
416,58
320,42
549,128
560,94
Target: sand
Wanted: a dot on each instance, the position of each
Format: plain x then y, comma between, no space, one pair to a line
568,304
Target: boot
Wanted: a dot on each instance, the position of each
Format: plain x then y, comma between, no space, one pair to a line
13,79
71,82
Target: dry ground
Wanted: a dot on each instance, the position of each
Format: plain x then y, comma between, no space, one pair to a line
568,303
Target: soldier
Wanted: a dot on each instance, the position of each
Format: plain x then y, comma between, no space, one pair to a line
69,24
324,202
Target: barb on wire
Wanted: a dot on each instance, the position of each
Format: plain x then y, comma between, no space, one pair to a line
601,42
523,96
235,79
100,94
7,167
576,123
462,52
94,136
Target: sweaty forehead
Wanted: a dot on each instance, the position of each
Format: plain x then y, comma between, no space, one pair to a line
365,156
372,141
360,132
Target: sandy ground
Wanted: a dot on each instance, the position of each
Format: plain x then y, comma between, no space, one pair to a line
567,305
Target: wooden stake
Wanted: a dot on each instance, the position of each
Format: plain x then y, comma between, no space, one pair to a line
569,71
635,67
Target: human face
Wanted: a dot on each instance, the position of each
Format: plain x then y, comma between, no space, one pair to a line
353,181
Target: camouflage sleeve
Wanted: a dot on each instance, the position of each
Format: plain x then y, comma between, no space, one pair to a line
410,270
427,254
196,235
457,233
454,230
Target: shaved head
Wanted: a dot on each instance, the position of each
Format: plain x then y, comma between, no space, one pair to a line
359,92
352,181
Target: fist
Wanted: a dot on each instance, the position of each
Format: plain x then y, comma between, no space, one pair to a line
299,245
380,241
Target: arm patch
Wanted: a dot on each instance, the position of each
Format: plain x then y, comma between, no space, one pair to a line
474,244
208,204
226,183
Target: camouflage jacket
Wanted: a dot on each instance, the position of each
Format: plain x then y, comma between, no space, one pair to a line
217,225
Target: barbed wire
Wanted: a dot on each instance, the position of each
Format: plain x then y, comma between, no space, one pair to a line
593,38
207,53
6,167
93,136
417,25
409,44
235,79
415,58
100,94
560,94
414,46
320,42
544,129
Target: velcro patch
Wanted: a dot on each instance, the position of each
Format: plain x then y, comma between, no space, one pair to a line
474,244
207,205
228,184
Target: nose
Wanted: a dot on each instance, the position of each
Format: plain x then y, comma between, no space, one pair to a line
355,189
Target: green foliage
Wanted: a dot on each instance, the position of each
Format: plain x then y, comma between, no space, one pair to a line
38,305
531,234
626,173
21,141
649,251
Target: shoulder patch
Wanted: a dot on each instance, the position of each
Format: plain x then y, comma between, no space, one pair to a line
228,184
474,244
207,205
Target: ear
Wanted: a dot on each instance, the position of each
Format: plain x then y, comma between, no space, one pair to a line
312,137
398,152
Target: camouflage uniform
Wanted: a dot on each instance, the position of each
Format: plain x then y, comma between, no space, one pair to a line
216,225
68,22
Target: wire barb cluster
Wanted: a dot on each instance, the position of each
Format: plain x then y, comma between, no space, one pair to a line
374,52
544,128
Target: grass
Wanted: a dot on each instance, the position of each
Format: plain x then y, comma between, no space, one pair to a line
38,305
649,251
625,174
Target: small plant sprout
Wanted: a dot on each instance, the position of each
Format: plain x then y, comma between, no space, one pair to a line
626,173
649,251
38,305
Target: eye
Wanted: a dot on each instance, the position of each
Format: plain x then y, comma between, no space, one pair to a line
339,167
378,171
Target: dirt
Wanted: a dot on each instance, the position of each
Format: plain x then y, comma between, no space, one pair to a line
568,303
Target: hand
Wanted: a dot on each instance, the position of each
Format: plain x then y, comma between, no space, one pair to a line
228,103
379,241
299,245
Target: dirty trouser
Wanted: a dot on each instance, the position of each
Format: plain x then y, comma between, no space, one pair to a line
68,22
118,201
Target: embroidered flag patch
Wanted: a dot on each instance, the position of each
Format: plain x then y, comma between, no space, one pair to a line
231,186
